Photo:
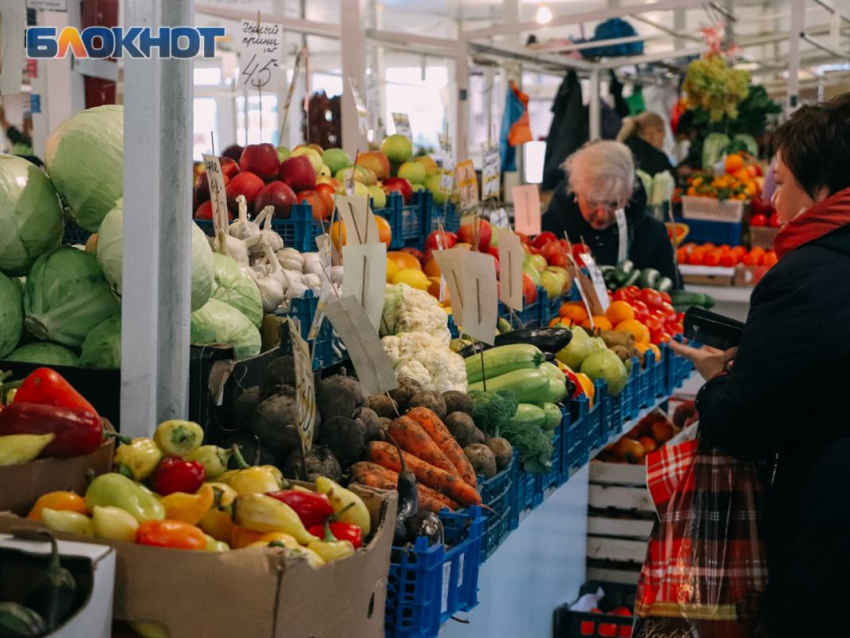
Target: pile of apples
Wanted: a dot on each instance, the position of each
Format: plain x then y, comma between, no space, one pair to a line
546,262
725,256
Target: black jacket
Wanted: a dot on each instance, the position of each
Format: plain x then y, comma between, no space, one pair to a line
787,395
568,132
648,158
649,244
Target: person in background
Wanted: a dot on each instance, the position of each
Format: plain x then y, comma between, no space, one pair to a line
644,134
20,139
600,181
754,405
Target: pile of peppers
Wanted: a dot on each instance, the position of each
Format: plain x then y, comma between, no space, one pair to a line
172,491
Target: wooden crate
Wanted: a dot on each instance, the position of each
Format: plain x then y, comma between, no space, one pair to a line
620,518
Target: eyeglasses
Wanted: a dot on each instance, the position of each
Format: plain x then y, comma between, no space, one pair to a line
609,206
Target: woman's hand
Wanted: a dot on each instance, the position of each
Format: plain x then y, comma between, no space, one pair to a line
708,361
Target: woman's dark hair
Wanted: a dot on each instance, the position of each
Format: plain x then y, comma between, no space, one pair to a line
815,145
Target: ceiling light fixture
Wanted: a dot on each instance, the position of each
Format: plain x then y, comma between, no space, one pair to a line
544,14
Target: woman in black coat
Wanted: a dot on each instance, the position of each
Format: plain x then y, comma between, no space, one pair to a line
644,134
780,396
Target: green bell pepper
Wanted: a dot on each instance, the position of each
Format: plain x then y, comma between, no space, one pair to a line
116,490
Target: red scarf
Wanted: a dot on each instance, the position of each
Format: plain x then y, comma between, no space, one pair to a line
819,220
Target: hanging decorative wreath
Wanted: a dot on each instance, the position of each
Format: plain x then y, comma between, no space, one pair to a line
712,85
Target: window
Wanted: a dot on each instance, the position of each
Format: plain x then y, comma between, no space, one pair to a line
424,97
262,126
206,123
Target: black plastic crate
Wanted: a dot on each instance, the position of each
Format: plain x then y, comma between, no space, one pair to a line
578,624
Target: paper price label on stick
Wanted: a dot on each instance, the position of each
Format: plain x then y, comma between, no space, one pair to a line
511,257
597,280
448,177
499,219
586,289
527,209
260,49
467,183
215,178
491,172
402,125
471,278
360,225
365,278
305,386
373,366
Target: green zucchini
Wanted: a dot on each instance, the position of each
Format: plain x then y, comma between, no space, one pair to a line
529,416
503,359
555,391
632,279
648,277
552,371
624,270
664,284
527,385
682,299
553,415
17,621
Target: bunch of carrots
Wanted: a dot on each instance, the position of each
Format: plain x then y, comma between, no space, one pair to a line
445,477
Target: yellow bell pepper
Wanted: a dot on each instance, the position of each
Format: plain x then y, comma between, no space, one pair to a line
342,500
216,546
213,458
215,522
313,559
270,539
150,629
67,521
22,448
329,548
137,458
178,438
189,508
114,524
262,513
58,501
252,480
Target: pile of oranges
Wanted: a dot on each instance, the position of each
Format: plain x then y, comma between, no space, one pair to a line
724,256
742,180
647,314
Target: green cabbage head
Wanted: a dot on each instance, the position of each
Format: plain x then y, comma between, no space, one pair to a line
11,315
102,347
218,323
236,288
48,354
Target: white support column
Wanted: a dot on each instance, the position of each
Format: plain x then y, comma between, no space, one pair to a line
680,24
594,111
798,23
157,231
461,147
353,52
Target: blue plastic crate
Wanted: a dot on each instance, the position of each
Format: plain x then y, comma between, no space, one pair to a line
524,490
556,476
328,348
575,440
453,331
529,315
427,585
498,493
299,231
614,415
703,232
74,234
628,396
406,220
596,417
434,212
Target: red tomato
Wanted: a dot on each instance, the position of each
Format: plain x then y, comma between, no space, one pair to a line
695,258
774,220
669,312
729,260
640,308
651,298
544,238
622,611
676,328
758,220
664,337
552,249
666,297
587,628
624,631
711,259
739,251
654,323
751,260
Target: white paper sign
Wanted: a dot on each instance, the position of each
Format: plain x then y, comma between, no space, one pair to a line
448,177
260,49
402,125
467,183
360,225
365,277
373,366
305,390
499,218
218,198
598,281
491,172
510,266
527,209
13,24
471,278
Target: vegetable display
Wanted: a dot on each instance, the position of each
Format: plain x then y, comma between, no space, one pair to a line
218,323
235,287
102,347
11,315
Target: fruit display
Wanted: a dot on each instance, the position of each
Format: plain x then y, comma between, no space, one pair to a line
725,256
650,433
742,180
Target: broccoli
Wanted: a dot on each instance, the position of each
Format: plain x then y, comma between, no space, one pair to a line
512,404
492,411
534,446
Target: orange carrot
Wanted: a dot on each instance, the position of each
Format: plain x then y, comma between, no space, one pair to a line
412,438
385,454
440,434
380,477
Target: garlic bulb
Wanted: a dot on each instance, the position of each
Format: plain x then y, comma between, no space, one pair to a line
243,228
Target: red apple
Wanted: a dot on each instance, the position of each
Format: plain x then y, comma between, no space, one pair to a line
400,186
205,211
298,173
201,192
485,234
560,259
246,184
529,290
544,238
492,250
449,240
325,188
414,252
523,238
278,195
260,159
375,161
229,167
234,151
550,250
321,203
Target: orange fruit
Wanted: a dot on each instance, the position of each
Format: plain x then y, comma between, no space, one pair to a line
769,259
640,331
598,322
619,311
573,311
556,323
734,163
643,348
404,260
385,233
434,288
431,268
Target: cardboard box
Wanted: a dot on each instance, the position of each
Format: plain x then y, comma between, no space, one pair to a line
25,482
256,593
93,568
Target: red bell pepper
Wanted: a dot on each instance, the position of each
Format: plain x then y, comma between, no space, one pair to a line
342,532
312,508
78,432
176,475
48,387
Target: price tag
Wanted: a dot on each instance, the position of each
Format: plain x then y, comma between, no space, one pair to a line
597,280
586,289
365,277
325,245
468,185
527,209
402,125
215,178
499,219
360,225
260,49
622,235
491,173
373,366
360,104
511,257
448,177
471,278
13,24
305,389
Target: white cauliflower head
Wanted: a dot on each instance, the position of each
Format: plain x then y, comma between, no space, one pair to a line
407,309
426,359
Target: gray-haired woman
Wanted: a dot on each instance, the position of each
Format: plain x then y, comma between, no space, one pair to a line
602,204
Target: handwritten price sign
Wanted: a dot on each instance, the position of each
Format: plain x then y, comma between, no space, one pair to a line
260,50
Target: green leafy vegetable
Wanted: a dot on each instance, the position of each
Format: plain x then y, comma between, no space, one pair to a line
11,315
236,288
49,354
102,347
218,323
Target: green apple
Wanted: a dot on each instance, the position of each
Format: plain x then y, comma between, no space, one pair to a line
562,278
532,272
577,350
310,154
552,283
428,162
605,365
342,174
336,158
418,187
413,172
397,148
324,171
538,261
282,153
379,197
361,190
